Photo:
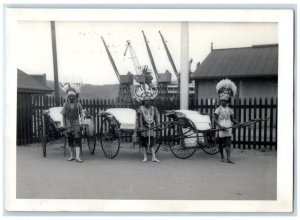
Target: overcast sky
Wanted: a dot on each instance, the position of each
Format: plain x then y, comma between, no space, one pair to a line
82,56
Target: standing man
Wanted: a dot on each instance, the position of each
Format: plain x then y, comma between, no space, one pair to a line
223,117
72,118
148,117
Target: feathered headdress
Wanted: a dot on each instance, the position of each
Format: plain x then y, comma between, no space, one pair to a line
145,92
71,88
226,89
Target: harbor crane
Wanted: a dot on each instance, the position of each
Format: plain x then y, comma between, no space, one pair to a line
143,74
177,74
163,79
125,80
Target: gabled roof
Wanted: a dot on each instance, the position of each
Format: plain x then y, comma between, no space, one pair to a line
247,62
29,84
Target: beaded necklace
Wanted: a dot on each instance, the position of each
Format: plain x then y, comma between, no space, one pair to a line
148,114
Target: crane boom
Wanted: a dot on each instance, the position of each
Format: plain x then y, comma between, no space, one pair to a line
134,58
169,56
150,56
111,60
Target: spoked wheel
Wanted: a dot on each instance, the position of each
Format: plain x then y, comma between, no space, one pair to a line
183,139
210,145
91,142
109,137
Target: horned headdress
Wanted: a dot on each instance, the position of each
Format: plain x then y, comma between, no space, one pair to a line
71,88
226,89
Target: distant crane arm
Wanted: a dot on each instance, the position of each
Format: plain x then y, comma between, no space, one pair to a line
111,60
169,56
150,56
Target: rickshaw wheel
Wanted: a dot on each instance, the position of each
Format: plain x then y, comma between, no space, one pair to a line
110,138
210,145
91,142
184,139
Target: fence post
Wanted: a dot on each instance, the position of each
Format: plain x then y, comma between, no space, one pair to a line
266,123
240,119
234,130
255,125
260,124
249,118
271,123
276,124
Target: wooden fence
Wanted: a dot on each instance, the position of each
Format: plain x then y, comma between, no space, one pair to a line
262,135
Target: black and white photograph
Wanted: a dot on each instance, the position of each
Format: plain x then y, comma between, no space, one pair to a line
149,110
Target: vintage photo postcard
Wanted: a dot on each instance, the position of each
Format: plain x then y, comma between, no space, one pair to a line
149,110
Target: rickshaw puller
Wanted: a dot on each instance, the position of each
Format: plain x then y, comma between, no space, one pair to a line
223,117
72,117
148,117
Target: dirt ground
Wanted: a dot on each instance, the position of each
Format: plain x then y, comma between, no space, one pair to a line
201,177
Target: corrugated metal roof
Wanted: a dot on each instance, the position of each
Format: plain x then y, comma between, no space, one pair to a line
255,61
27,83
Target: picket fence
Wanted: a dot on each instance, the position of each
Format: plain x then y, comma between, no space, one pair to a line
263,135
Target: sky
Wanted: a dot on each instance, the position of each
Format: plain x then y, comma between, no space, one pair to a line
82,57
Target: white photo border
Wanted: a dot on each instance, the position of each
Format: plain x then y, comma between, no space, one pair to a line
284,18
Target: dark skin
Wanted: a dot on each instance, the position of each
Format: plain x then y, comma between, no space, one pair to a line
154,159
227,147
147,105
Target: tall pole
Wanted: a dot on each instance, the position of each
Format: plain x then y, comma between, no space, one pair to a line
184,66
55,69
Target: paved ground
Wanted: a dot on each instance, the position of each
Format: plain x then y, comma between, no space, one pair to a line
201,177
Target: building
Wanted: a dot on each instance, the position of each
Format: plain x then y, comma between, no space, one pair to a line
253,69
174,86
27,86
32,84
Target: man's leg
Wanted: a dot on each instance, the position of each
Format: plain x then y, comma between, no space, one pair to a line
144,147
154,159
77,149
228,148
71,148
220,144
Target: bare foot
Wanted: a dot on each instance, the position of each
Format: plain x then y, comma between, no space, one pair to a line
222,160
155,160
145,160
229,161
71,158
79,160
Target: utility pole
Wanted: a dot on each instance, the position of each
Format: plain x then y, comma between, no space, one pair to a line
55,69
184,66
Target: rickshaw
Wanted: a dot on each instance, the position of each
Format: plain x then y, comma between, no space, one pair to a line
52,129
187,131
118,126
190,130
